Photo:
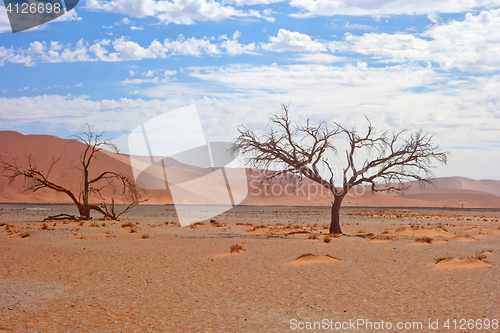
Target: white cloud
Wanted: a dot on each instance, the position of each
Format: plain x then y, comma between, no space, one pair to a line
379,8
464,113
136,28
292,41
470,45
175,11
120,49
233,47
348,26
170,73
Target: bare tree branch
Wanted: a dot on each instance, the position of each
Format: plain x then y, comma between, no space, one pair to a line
301,150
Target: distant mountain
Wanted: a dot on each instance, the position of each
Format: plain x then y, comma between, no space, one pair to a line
447,192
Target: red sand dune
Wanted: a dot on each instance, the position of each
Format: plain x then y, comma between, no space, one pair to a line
448,192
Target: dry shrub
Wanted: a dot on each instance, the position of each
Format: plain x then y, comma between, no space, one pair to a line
247,224
479,255
385,232
95,224
236,248
133,230
368,235
313,236
258,227
44,227
81,224
128,225
424,239
400,229
144,236
381,237
325,226
327,239
25,234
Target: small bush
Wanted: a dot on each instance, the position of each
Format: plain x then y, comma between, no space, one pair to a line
95,224
133,230
44,227
144,236
327,239
236,248
81,224
25,234
313,236
128,225
424,239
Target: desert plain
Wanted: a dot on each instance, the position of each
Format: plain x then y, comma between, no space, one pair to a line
145,273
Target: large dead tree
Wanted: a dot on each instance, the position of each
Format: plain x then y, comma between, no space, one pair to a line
302,151
106,180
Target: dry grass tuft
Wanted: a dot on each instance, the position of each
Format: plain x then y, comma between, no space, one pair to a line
133,230
440,226
144,236
128,225
327,239
312,255
81,224
313,236
438,260
424,239
236,248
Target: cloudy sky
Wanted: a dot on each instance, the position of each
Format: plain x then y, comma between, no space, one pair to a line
431,64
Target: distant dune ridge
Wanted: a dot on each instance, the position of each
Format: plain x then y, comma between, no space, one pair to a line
448,192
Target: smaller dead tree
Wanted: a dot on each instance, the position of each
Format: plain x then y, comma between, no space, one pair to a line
106,180
292,150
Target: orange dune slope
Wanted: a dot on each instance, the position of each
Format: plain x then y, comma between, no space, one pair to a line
448,191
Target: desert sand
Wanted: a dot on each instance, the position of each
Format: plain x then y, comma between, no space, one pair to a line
101,277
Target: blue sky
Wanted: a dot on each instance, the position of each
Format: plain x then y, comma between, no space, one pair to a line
404,64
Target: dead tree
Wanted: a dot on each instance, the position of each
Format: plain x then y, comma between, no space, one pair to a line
38,179
301,151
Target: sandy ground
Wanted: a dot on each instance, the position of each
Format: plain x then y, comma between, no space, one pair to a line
72,278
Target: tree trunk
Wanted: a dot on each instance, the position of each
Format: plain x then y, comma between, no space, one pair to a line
86,188
335,223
